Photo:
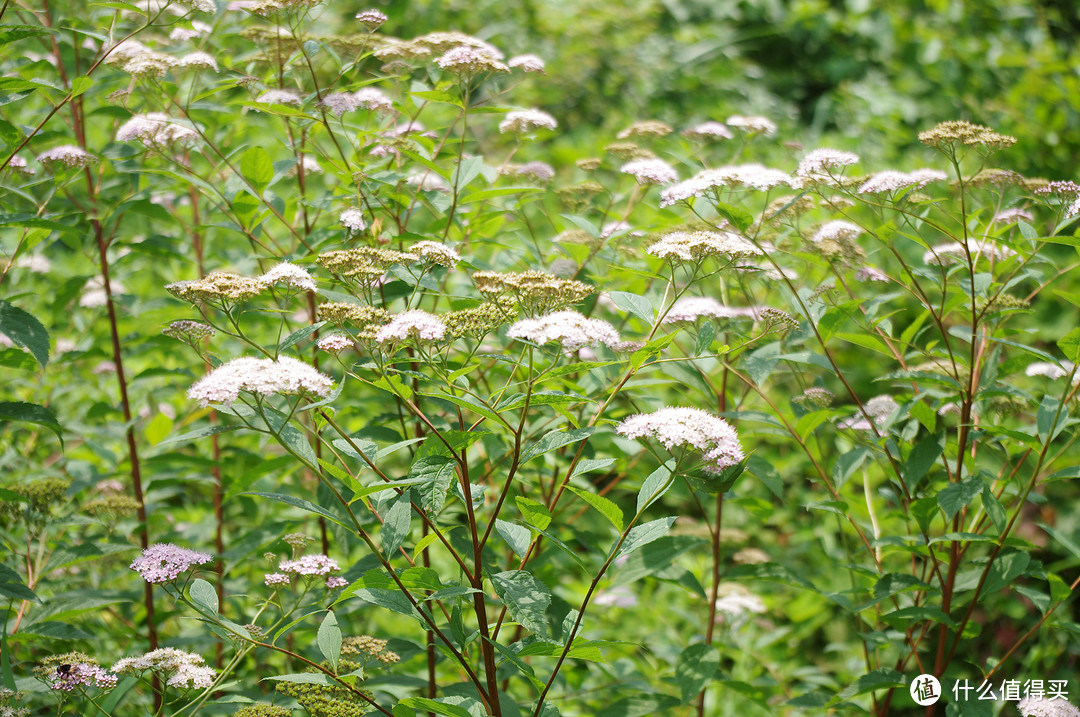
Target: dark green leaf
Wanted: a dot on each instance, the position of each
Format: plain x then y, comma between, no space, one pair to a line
396,524
604,506
553,440
697,666
202,593
517,537
525,597
955,496
24,330
329,639
870,682
31,413
922,457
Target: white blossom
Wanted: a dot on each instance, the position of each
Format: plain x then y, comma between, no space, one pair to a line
650,171
689,427
891,180
68,155
290,274
353,220
412,324
280,97
308,565
978,248
819,164
571,329
1041,706
696,246
839,230
523,121
752,124
692,308
528,63
369,98
879,408
334,343
708,131
1050,370
262,376
198,60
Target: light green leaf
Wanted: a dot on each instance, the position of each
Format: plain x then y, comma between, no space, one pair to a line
604,506
203,593
257,168
644,534
24,330
329,639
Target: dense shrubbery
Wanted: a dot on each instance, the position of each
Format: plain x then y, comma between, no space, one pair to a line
339,380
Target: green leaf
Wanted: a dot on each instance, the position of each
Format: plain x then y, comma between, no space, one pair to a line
392,600
639,706
13,33
24,330
1070,345
604,506
304,678
329,639
525,597
436,474
201,433
706,336
257,168
654,487
203,593
158,429
1048,422
922,457
955,496
517,537
438,706
639,306
644,534
396,524
696,667
12,586
80,85
554,439
534,512
299,335
994,509
739,217
31,413
871,682
302,504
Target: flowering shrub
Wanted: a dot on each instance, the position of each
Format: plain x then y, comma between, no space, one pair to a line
822,411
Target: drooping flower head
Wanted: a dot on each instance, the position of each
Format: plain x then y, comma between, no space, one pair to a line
155,129
689,428
163,562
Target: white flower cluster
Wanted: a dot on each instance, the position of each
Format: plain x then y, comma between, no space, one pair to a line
412,324
708,131
879,408
1041,706
524,121
749,176
650,171
163,562
353,220
334,343
696,246
467,61
692,308
735,601
527,63
288,273
36,263
155,129
570,329
752,124
371,19
1012,216
199,61
435,253
978,248
262,376
67,155
891,180
1050,370
93,294
838,231
712,436
182,669
819,164
367,98
280,97
308,565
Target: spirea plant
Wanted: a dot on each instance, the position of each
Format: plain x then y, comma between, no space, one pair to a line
335,390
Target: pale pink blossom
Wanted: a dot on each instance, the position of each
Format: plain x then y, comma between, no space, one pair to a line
163,562
308,565
688,427
261,376
528,63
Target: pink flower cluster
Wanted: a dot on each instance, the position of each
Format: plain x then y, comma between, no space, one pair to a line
163,562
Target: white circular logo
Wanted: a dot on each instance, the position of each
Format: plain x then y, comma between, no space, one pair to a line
925,690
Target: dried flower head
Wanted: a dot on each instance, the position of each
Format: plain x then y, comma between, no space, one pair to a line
752,125
650,171
570,329
363,262
698,246
111,507
589,164
413,324
815,397
948,134
708,132
628,151
364,320
690,428
527,63
190,332
67,155
163,562
480,320
874,414
525,121
367,647
646,128
261,376
535,291
943,254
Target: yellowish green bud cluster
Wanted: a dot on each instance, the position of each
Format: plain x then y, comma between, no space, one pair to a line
216,286
955,132
535,291
364,320
481,320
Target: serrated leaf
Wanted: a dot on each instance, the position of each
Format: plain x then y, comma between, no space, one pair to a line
12,586
602,505
653,487
919,461
329,639
435,475
80,85
696,667
31,413
533,512
525,597
24,330
739,217
871,682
